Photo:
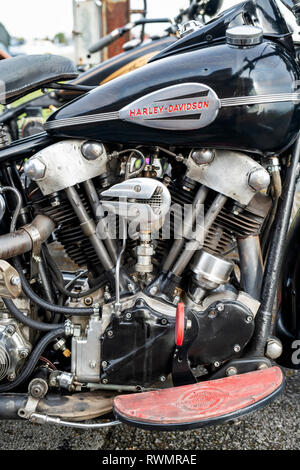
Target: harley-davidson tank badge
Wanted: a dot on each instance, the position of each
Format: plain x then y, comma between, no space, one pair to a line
179,107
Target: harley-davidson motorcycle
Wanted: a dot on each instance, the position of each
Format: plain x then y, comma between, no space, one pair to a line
143,234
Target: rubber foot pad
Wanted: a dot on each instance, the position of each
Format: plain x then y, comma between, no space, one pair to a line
202,404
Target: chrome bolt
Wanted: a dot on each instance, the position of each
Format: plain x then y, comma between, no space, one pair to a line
15,281
104,364
137,188
231,371
23,353
10,329
107,296
128,316
164,321
154,290
220,307
249,319
52,382
217,364
202,157
110,333
263,366
55,202
88,301
131,287
92,150
162,378
92,364
274,348
237,348
11,377
104,381
37,390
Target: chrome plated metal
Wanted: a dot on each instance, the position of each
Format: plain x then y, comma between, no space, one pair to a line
39,418
274,348
18,207
189,27
92,150
142,199
15,346
2,207
118,265
244,35
86,352
211,271
259,179
35,169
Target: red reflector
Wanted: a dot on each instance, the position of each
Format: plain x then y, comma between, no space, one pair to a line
201,404
179,325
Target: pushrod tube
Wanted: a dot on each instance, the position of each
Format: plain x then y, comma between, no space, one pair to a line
89,228
194,213
209,219
274,262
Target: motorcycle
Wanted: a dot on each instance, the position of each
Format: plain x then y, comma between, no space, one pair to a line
136,54
170,190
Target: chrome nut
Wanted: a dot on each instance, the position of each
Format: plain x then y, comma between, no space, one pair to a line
259,179
35,169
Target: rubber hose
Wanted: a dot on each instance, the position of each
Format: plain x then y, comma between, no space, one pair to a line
46,305
35,325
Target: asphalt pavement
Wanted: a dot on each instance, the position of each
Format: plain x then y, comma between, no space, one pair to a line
276,427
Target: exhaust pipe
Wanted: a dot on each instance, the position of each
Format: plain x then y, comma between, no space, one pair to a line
77,407
30,237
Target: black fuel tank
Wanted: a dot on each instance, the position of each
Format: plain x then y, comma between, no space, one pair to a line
222,96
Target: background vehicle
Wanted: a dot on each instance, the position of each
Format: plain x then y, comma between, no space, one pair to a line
136,54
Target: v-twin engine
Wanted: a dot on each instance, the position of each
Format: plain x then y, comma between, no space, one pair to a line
144,231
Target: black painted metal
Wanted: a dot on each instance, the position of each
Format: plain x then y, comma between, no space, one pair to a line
276,255
100,73
25,148
229,71
138,346
288,318
264,13
219,332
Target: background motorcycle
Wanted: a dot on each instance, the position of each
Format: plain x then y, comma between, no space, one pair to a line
202,124
136,54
